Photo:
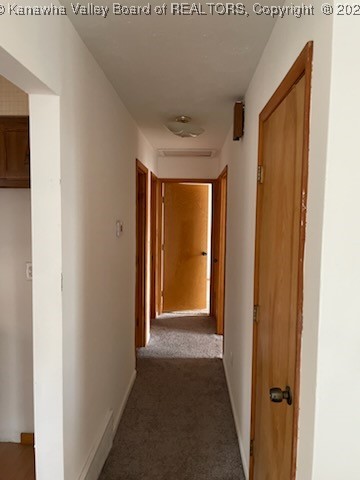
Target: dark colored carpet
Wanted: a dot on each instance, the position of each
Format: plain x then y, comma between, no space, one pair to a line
178,423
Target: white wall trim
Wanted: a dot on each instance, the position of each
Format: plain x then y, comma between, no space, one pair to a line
99,451
237,423
124,402
10,436
103,443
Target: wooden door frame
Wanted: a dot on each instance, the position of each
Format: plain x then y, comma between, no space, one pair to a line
218,242
141,261
214,244
163,181
301,67
155,251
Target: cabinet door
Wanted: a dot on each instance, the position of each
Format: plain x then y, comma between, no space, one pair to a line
14,152
17,154
2,155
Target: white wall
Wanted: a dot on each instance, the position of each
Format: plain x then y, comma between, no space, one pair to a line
99,146
188,167
90,349
241,156
16,378
336,453
16,375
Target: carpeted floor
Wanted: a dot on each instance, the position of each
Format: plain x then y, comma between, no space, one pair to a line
183,337
178,423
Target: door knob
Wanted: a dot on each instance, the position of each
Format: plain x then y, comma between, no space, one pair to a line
277,395
216,260
204,254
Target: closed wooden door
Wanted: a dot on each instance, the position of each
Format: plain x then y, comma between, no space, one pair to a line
17,153
278,286
14,152
185,246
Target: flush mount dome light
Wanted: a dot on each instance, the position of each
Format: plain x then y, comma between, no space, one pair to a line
183,127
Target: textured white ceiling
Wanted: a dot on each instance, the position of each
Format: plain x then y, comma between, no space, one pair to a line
164,66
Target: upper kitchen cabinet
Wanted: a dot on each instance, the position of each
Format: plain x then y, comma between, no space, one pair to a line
14,152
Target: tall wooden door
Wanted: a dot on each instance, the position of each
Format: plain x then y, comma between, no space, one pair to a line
186,208
219,249
278,282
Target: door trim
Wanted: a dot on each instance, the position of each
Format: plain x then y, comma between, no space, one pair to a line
142,261
211,181
301,67
219,248
155,199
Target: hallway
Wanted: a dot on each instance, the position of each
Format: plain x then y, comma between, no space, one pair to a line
178,422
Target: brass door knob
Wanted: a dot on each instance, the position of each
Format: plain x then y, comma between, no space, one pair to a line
277,395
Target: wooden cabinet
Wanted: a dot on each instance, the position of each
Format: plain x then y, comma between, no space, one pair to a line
14,152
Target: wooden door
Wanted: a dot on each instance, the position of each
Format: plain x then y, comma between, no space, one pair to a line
219,250
141,260
14,152
185,246
280,234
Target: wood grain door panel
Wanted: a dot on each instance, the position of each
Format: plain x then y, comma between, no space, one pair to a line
17,154
277,274
185,238
14,152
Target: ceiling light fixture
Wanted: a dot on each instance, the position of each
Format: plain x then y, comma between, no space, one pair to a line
183,127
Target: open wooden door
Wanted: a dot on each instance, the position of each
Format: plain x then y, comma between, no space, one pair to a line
219,251
186,215
280,234
141,260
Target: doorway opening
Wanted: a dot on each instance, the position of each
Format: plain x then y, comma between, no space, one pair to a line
16,323
187,250
188,247
180,267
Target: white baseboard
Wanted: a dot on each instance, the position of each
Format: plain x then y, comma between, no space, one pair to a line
243,458
124,402
12,437
102,446
100,450
237,425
